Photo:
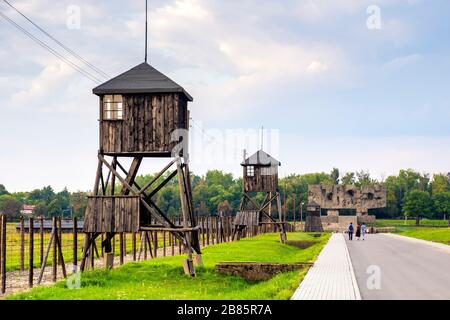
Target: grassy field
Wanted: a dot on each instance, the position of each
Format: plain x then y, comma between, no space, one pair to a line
13,246
432,230
163,278
441,235
402,225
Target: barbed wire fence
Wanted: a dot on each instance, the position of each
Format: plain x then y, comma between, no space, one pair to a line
35,251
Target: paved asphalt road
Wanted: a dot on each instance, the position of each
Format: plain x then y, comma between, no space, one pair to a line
409,271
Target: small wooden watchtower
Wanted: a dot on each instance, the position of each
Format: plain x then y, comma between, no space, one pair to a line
143,115
260,174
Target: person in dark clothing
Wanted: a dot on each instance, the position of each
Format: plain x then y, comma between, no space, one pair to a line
350,231
358,232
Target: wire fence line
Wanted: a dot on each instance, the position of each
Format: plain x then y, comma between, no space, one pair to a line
39,251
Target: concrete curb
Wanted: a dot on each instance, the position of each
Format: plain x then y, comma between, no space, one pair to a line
436,245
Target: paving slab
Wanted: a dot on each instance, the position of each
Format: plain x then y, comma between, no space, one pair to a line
332,276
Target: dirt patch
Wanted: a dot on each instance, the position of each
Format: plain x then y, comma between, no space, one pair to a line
302,244
257,271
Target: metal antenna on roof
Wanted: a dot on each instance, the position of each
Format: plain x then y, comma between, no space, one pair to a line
146,29
262,137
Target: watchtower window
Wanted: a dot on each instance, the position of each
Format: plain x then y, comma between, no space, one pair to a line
113,107
250,171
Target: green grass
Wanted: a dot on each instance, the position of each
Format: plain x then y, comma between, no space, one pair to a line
431,230
441,235
13,245
402,225
163,278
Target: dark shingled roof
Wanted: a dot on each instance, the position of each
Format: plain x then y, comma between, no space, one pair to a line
312,203
261,158
140,79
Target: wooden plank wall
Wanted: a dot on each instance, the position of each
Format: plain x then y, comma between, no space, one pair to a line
112,214
247,218
260,182
148,123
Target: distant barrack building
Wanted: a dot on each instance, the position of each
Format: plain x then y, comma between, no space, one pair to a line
66,225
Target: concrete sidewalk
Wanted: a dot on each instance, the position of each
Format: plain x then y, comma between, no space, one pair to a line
332,276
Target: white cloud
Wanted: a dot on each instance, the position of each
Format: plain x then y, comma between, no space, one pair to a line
47,82
403,61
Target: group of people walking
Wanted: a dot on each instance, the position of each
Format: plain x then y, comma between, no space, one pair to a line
360,231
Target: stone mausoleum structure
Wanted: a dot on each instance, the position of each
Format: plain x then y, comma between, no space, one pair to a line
336,197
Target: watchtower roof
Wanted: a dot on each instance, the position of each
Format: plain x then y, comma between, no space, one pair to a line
141,79
312,203
261,158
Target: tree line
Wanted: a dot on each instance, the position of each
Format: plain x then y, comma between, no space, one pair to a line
409,193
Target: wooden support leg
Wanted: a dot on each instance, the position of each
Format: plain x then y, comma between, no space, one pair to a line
87,242
44,262
188,264
283,237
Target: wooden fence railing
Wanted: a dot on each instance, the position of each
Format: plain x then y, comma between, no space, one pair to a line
33,251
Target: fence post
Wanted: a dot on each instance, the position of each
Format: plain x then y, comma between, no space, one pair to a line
54,260
230,226
31,252
207,230
202,219
164,243
121,243
59,237
3,253
155,244
133,245
41,245
179,242
217,230
22,244
144,235
75,244
172,245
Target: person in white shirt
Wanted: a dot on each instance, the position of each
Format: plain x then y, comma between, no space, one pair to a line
363,231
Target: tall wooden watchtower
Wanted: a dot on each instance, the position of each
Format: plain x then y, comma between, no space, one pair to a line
260,175
143,115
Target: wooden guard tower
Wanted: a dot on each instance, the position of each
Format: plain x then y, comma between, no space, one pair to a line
260,175
143,115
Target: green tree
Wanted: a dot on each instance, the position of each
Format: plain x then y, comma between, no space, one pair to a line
224,207
442,204
440,184
364,179
78,202
418,204
10,206
3,190
64,198
349,178
55,208
334,176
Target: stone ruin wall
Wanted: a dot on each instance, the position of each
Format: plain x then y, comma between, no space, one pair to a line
348,197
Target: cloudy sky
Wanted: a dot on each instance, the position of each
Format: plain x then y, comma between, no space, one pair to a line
332,84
